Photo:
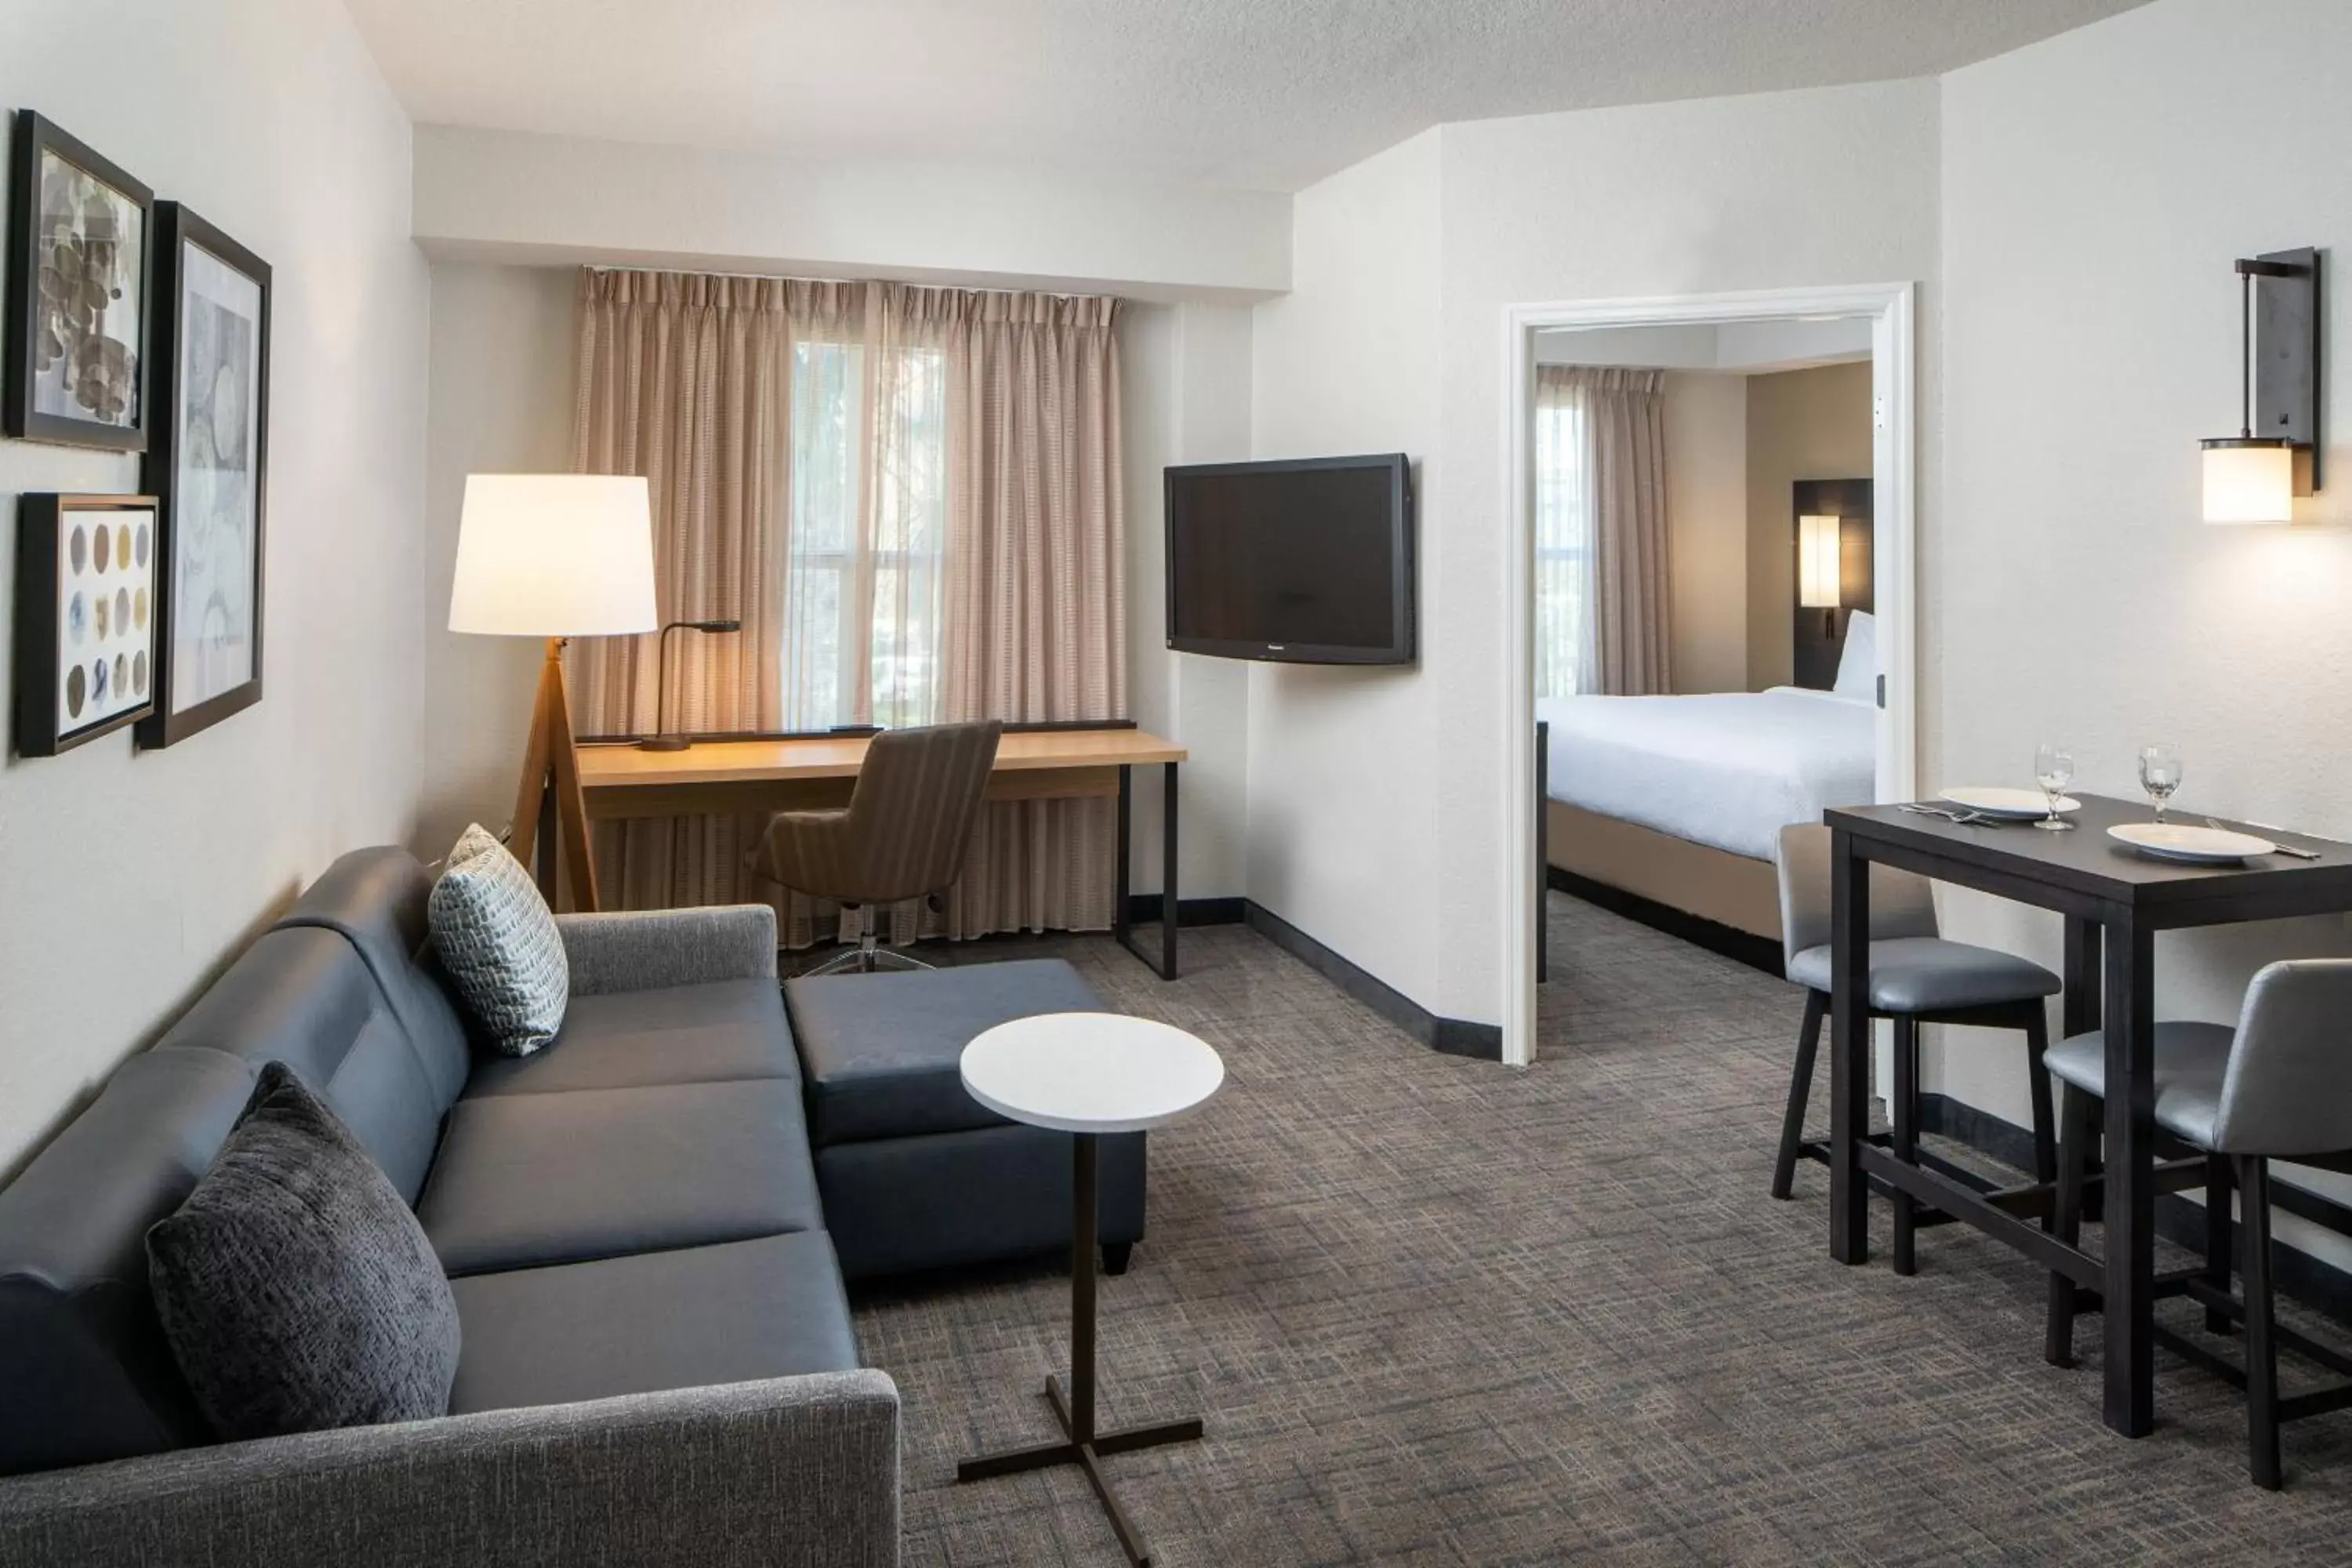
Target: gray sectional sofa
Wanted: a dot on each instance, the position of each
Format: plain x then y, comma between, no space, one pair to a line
646,1246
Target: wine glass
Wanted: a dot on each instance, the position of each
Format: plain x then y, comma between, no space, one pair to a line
2054,770
2159,773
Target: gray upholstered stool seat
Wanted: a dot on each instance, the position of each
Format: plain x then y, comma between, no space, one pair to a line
2190,1061
1931,975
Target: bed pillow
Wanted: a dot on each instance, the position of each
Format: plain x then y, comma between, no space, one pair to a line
1857,675
499,945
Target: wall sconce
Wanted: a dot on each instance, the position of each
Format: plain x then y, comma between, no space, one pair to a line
2256,475
1818,568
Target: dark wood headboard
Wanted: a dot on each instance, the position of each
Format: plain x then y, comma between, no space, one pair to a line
1821,633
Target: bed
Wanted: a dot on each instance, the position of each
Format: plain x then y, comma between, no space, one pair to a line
1680,800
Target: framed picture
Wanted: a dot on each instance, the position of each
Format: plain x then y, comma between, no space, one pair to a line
207,458
78,267
85,617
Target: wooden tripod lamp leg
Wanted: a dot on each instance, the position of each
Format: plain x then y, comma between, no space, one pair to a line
549,760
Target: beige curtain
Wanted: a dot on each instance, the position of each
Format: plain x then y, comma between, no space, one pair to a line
910,497
1604,615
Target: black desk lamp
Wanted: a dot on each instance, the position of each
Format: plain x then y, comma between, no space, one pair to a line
665,741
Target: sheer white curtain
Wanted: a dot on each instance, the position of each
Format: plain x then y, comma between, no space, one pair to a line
1564,651
1602,585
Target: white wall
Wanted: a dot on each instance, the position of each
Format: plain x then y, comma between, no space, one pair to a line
1186,399
1706,526
507,196
1376,809
503,346
133,876
2096,188
1344,771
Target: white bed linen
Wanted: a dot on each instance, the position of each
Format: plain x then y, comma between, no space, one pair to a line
1726,769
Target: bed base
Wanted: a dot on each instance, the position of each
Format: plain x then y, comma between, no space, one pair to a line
1680,886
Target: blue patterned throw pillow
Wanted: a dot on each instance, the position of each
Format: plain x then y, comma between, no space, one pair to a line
498,941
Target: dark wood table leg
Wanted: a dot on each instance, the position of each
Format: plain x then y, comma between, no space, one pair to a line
1081,1445
2128,1332
2078,1014
1849,1049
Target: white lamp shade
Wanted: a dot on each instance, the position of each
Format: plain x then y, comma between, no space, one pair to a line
555,556
1816,563
2250,484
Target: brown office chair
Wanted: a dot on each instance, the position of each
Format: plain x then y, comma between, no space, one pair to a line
903,835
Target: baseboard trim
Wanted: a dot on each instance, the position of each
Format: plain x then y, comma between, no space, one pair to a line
1740,946
2318,1285
1453,1037
1143,909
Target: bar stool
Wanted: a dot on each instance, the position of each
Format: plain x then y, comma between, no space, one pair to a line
1916,977
2277,1086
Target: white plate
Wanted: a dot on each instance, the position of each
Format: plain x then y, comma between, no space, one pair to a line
2198,846
2019,803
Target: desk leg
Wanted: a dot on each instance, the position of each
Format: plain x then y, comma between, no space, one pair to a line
2129,1298
1849,1049
1170,904
1119,911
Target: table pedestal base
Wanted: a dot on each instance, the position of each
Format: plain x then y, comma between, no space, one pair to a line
1087,1454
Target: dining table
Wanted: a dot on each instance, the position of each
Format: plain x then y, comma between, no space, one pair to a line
2114,900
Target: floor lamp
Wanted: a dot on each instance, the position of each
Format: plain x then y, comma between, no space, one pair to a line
554,556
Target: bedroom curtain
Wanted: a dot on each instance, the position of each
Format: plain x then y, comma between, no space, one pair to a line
1603,615
910,497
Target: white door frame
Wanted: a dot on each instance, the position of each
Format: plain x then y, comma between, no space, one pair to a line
1894,400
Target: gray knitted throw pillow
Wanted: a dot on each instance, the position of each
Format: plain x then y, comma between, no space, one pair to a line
498,942
295,1289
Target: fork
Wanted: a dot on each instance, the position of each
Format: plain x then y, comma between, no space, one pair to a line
2282,849
1957,818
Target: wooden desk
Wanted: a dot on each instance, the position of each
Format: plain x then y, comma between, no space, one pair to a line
817,772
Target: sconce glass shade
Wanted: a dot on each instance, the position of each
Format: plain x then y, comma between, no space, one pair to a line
2249,480
1816,563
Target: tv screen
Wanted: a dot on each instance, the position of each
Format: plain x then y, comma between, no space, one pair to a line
1307,562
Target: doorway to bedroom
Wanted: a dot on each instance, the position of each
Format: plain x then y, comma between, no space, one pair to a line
1715,626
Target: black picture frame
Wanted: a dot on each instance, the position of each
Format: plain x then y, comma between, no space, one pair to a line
166,472
29,315
70,575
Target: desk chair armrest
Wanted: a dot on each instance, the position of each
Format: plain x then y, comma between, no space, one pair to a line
644,950
798,1472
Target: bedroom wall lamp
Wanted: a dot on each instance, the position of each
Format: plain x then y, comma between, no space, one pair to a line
1818,567
2256,475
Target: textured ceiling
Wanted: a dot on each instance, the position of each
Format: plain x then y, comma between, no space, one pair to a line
1265,93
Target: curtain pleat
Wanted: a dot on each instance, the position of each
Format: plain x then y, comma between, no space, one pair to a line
1618,506
696,382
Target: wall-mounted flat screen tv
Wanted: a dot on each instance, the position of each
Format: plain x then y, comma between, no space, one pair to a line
1302,562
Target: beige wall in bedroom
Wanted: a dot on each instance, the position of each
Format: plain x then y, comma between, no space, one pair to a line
1706,517
1801,425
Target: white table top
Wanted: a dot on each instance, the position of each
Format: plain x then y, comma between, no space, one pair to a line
1090,1072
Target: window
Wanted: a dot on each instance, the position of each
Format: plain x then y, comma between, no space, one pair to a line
863,611
1563,548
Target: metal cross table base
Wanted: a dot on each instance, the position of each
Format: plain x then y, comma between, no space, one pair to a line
1081,1445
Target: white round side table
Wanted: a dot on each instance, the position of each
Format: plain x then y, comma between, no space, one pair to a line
1088,1074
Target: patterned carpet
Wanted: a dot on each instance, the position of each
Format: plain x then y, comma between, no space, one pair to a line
1439,1311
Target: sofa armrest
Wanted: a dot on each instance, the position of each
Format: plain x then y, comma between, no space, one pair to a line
799,1472
643,949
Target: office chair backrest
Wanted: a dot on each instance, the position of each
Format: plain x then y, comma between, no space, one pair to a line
911,815
2288,1087
1901,903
